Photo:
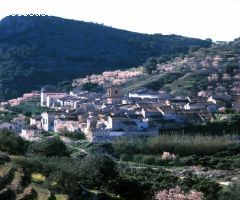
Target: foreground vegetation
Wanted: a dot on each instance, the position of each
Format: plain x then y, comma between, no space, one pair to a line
123,170
181,144
218,152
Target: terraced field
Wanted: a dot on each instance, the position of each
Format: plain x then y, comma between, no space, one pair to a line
14,185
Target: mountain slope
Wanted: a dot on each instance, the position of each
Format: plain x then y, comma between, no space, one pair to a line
213,70
45,50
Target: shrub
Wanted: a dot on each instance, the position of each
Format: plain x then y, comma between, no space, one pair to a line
223,165
67,175
138,158
95,170
73,135
12,143
52,146
189,160
4,157
127,188
125,157
150,160
209,188
230,192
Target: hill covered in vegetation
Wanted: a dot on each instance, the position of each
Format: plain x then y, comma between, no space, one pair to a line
213,70
38,50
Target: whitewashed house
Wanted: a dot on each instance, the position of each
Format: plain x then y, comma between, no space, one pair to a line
36,121
48,97
47,121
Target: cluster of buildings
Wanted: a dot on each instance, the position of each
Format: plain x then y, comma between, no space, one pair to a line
104,117
16,125
20,100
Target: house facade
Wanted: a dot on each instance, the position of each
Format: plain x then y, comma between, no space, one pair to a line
47,121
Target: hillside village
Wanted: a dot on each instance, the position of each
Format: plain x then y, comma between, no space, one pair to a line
106,116
93,128
187,91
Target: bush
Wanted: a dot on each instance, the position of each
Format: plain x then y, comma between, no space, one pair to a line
12,143
209,188
67,175
127,188
73,135
230,192
125,157
4,157
52,146
150,160
223,165
189,160
95,170
138,158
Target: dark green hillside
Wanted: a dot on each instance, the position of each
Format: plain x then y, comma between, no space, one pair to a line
45,50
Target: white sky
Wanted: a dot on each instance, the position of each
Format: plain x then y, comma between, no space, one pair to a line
216,19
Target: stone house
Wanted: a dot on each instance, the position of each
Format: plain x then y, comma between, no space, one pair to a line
68,123
7,126
36,121
19,123
31,133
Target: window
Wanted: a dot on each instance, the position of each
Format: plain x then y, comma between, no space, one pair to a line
116,91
